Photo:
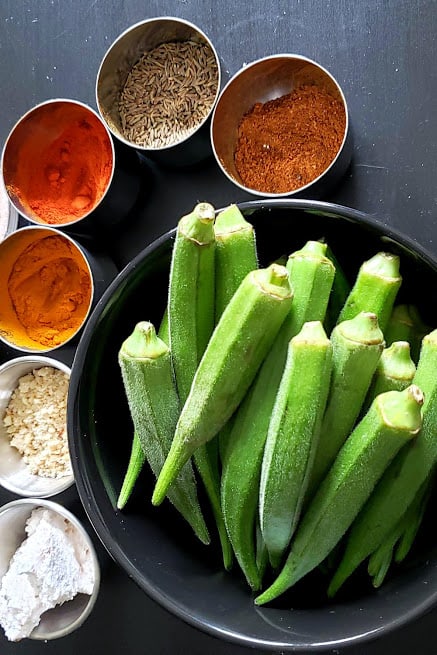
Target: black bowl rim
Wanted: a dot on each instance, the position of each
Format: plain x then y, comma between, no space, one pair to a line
84,485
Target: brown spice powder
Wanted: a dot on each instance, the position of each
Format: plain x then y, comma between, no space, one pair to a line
286,143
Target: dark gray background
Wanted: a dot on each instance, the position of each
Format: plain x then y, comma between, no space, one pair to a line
382,52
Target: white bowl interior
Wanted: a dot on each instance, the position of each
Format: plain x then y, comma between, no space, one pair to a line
65,618
15,474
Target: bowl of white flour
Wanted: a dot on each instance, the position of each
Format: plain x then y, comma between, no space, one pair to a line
49,571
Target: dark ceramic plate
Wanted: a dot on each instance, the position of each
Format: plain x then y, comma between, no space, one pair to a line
152,544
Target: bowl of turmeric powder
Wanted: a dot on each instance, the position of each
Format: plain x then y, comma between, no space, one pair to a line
48,289
281,128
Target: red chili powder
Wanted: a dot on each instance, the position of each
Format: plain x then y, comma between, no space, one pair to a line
286,143
65,179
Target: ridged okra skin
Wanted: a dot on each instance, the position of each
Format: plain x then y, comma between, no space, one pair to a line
357,345
147,374
402,480
375,289
191,302
392,420
238,345
191,293
292,436
235,257
311,278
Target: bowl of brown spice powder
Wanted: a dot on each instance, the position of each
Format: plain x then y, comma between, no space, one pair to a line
156,88
281,128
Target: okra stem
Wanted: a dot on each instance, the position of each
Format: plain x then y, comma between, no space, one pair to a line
292,436
406,324
402,480
238,345
392,420
375,289
394,372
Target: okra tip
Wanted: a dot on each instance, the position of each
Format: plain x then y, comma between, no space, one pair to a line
229,220
274,280
402,409
362,328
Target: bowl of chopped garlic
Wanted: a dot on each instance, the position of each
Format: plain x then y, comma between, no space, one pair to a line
34,454
49,571
156,88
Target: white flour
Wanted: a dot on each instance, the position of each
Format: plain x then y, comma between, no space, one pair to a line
50,567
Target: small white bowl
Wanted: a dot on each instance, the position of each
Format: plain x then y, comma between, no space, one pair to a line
15,474
63,619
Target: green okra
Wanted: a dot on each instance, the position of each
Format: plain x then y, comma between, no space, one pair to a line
392,420
400,483
163,332
292,436
191,293
146,369
235,257
135,465
357,345
191,301
375,289
394,372
137,456
406,324
398,543
311,277
262,554
341,289
238,345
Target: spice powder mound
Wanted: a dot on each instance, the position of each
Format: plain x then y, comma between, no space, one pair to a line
35,421
168,93
288,142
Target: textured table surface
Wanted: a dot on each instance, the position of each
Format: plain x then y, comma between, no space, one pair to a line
382,52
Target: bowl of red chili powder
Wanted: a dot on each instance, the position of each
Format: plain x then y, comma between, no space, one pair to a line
281,128
58,163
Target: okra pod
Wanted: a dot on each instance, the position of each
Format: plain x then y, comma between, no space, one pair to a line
238,345
392,420
397,544
191,303
292,436
402,480
191,293
235,257
341,289
147,374
394,372
357,345
135,465
311,276
375,289
406,324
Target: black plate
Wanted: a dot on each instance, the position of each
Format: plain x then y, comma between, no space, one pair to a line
153,545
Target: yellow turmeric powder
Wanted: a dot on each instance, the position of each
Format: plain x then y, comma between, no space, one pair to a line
49,289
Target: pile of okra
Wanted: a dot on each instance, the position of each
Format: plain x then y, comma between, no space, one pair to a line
304,403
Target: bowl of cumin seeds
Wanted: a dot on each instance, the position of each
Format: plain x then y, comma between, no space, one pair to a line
156,88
